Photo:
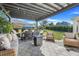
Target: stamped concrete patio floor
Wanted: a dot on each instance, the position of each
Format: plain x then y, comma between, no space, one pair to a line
47,49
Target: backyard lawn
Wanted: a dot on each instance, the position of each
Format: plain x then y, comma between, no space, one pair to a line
57,35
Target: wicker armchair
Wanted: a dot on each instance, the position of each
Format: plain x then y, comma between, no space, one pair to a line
50,37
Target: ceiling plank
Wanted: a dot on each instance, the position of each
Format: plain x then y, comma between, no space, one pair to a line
10,9
12,6
29,5
14,13
41,5
48,4
58,4
14,10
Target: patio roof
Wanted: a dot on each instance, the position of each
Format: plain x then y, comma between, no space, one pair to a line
36,11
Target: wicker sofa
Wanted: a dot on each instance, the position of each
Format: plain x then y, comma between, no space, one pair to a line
9,52
13,51
69,40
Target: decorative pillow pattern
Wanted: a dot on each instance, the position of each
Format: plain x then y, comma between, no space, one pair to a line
9,36
69,35
4,43
14,36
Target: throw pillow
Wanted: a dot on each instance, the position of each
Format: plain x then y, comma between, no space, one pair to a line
4,43
9,36
14,36
69,35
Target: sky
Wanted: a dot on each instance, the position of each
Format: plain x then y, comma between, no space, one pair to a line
23,20
66,16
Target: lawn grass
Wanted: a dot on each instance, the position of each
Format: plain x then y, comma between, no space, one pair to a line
57,34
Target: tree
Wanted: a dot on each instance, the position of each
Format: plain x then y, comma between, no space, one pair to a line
43,23
51,24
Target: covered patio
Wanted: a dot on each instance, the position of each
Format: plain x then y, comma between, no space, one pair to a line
38,12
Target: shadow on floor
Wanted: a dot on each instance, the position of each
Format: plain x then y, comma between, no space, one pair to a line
69,48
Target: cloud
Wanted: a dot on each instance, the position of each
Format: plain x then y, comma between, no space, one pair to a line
58,20
53,20
75,13
22,20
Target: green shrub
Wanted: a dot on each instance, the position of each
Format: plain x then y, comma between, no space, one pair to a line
5,26
61,28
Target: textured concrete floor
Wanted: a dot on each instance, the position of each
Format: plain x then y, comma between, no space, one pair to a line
26,48
58,49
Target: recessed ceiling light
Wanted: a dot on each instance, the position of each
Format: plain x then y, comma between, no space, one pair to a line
18,8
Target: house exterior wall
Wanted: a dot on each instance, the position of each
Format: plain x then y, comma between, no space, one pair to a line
76,25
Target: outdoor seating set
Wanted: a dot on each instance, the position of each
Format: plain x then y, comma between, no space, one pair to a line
69,39
37,36
33,35
72,39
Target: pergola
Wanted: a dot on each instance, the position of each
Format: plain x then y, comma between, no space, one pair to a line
35,11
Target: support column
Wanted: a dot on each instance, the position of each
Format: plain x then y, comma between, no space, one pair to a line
35,37
74,27
37,25
78,26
